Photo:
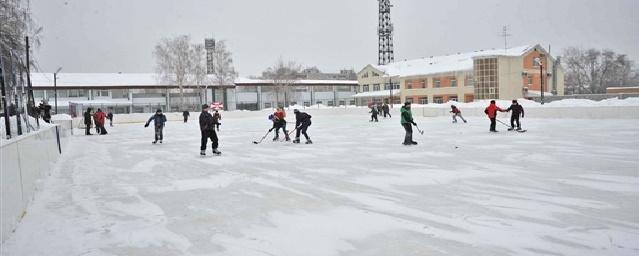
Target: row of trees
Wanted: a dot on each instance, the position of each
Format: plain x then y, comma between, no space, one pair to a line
181,62
592,70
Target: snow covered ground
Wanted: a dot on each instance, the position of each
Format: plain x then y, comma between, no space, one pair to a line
566,187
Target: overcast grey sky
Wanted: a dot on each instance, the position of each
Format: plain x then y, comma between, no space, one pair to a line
119,35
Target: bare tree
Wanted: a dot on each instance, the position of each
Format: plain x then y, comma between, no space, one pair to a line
222,70
592,70
15,26
198,71
284,75
179,62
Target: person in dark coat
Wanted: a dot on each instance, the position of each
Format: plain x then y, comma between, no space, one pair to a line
518,110
217,117
110,117
159,120
407,122
491,112
207,129
87,122
186,115
374,113
302,122
279,122
45,109
386,110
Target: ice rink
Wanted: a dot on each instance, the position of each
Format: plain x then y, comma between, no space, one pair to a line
566,187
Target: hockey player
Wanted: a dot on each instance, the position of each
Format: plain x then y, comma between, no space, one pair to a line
207,129
100,118
386,110
302,122
186,115
374,113
491,112
456,113
110,118
279,121
158,120
407,122
514,117
87,121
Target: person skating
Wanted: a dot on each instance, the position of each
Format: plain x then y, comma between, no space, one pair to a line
279,122
302,122
87,122
110,117
216,118
518,110
100,118
207,130
386,110
456,113
407,122
159,120
186,115
491,112
374,113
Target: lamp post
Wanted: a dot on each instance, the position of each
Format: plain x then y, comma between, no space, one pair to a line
541,76
55,88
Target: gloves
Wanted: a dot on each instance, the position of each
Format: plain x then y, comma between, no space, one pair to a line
146,125
415,124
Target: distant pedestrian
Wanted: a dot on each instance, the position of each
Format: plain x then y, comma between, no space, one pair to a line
456,113
518,111
87,122
110,117
207,130
216,119
100,120
45,109
407,122
491,112
302,122
159,121
186,115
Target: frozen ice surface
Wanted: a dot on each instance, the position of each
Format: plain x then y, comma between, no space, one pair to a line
566,187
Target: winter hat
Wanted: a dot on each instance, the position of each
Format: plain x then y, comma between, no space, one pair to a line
158,111
492,102
205,106
453,106
406,103
296,111
514,101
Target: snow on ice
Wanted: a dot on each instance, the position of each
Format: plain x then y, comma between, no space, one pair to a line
566,187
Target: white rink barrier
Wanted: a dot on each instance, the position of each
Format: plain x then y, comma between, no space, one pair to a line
600,112
25,159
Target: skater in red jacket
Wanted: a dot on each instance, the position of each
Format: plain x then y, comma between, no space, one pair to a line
456,113
99,118
491,111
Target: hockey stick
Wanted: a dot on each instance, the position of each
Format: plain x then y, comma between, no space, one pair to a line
258,142
291,132
502,123
420,131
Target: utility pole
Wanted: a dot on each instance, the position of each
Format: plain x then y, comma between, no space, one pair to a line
55,88
30,98
7,123
541,76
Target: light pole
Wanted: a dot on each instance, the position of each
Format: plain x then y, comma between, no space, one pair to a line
541,76
55,88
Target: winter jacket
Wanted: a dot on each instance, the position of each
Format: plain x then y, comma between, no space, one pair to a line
491,110
207,123
374,111
455,111
302,118
110,116
99,117
517,110
87,118
407,116
280,115
186,113
385,108
216,118
158,120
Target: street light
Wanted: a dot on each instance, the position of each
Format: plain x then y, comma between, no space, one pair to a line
55,88
541,76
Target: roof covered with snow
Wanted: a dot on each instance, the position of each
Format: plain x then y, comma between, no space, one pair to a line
248,81
376,94
446,63
98,80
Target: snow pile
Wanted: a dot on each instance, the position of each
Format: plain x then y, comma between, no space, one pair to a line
61,117
614,102
23,125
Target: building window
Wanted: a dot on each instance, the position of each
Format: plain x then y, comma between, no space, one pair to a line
38,94
351,102
470,81
535,63
364,88
307,103
342,102
330,103
409,84
437,83
423,83
530,79
438,99
63,93
365,75
375,74
120,94
452,98
268,105
486,84
77,93
376,87
453,82
318,102
423,100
